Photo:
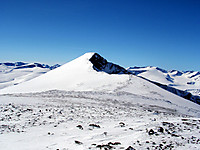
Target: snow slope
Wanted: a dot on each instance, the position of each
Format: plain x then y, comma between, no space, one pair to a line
183,80
15,73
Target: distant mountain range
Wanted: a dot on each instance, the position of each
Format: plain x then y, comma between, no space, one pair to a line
21,65
18,72
184,80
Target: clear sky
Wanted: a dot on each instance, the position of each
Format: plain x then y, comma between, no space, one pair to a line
163,33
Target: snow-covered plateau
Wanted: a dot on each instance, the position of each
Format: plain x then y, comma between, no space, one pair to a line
90,103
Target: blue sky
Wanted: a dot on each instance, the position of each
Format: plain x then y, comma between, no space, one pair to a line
163,33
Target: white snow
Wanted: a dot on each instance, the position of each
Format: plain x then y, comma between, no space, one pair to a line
49,120
125,107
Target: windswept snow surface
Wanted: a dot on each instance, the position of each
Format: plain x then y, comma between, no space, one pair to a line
183,80
75,107
93,120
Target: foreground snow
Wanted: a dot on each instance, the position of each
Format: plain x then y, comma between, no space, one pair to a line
94,120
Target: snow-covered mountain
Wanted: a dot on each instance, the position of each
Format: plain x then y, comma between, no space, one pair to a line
184,80
81,74
78,74
90,103
18,72
91,72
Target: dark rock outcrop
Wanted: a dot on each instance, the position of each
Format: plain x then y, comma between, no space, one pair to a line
101,64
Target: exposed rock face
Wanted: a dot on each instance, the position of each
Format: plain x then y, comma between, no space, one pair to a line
101,64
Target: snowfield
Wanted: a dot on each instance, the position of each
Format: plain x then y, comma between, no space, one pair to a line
94,120
75,107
